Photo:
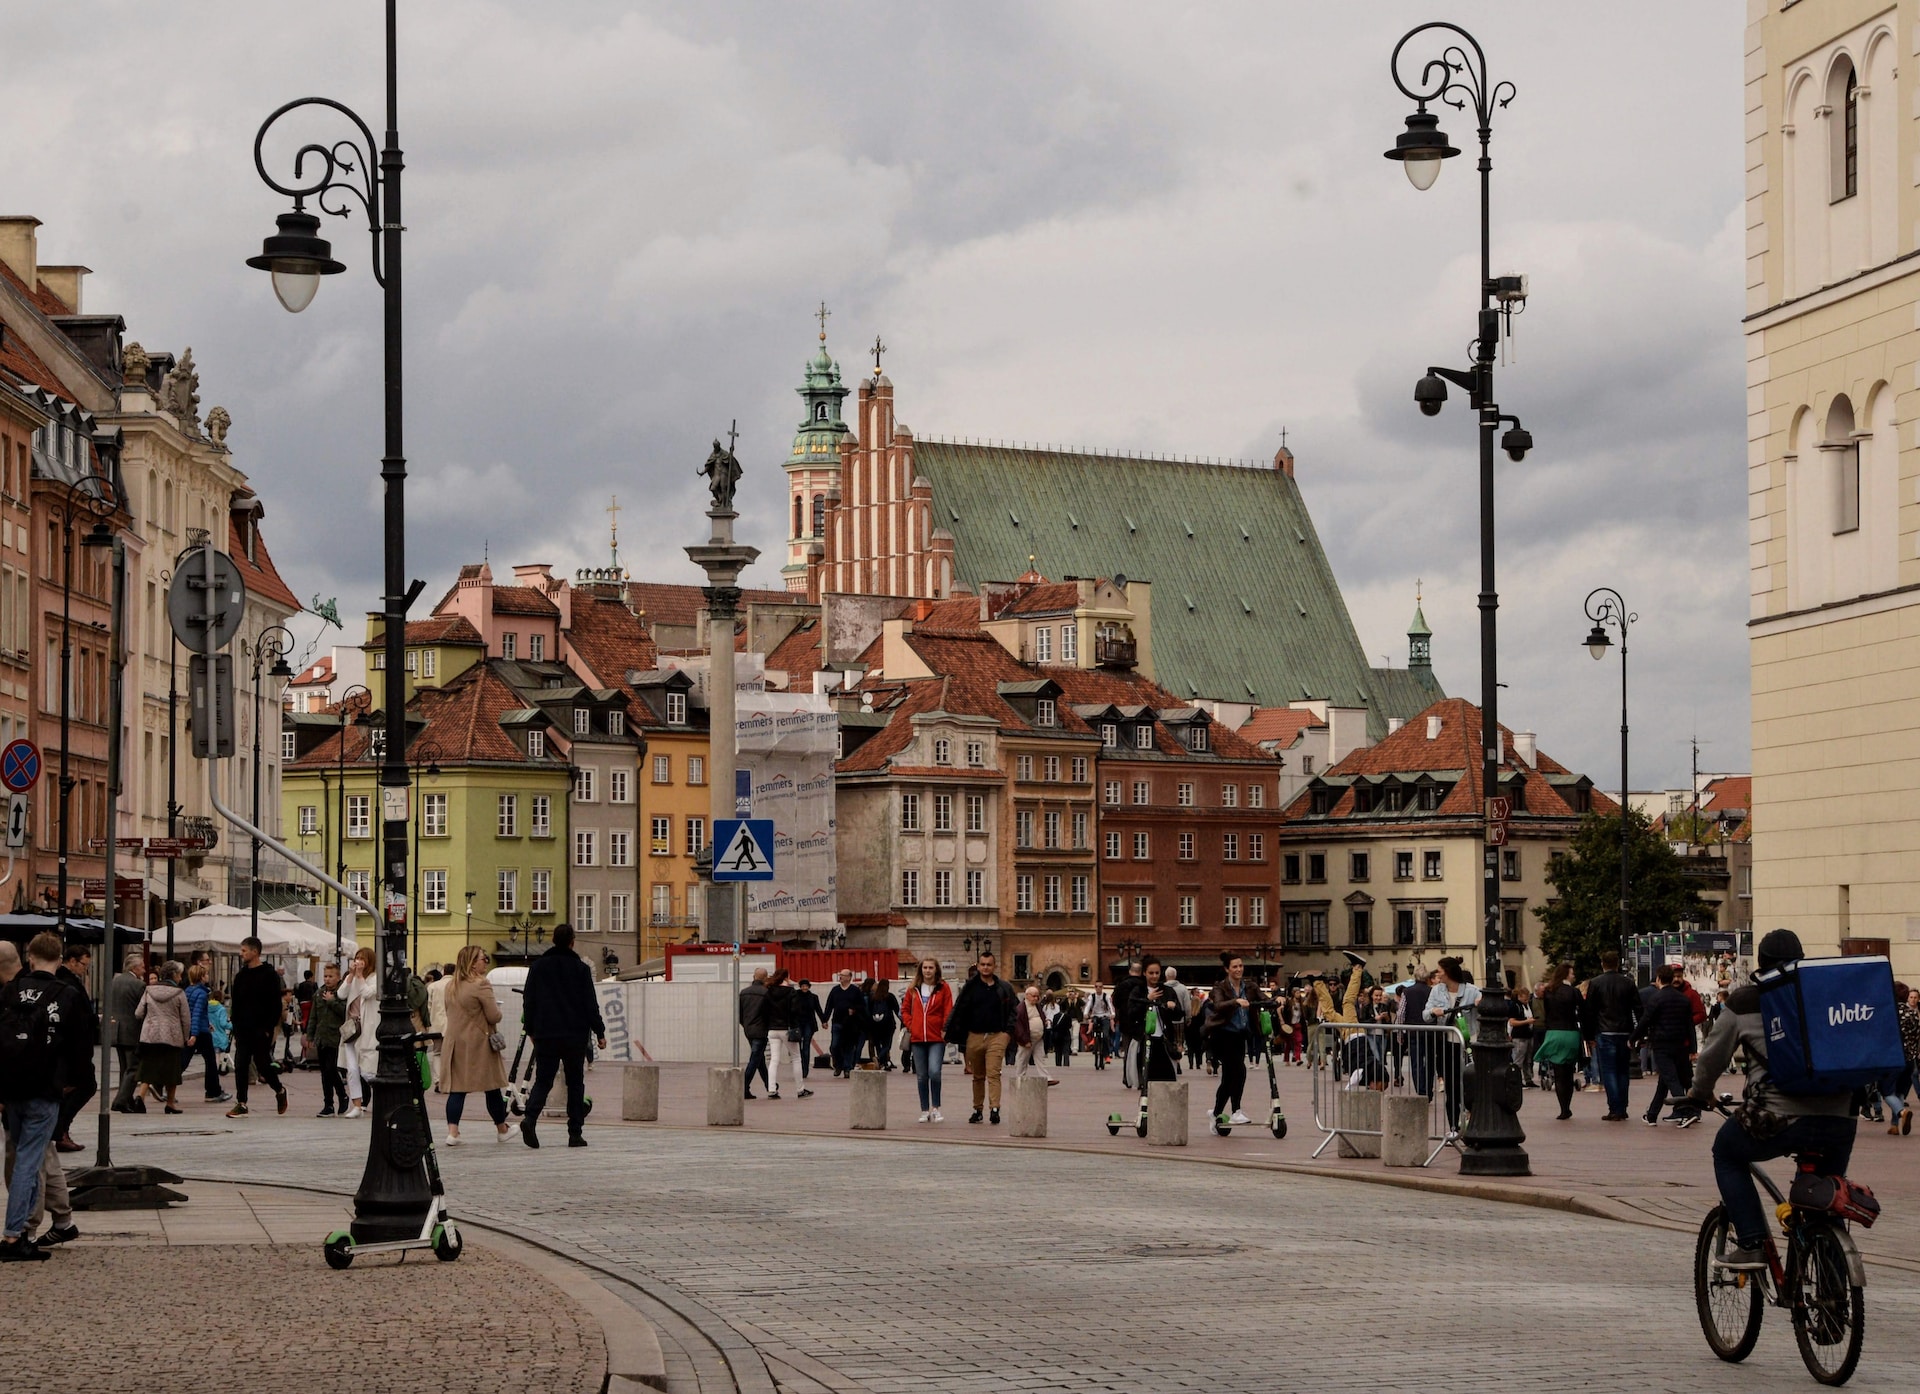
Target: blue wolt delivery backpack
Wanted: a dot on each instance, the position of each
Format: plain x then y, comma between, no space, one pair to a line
1831,1024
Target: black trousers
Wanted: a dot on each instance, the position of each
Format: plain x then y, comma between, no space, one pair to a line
1231,1047
333,1084
548,1058
252,1048
1676,1076
129,1062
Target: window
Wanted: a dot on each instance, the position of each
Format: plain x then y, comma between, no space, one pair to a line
310,819
1080,769
662,910
1431,796
1230,912
943,813
1079,832
1403,866
618,918
977,754
619,849
1043,712
617,726
1510,926
1358,865
1306,764
1043,646
943,888
1189,912
583,905
1316,866
536,745
1113,847
1317,928
1023,894
663,769
433,892
1110,735
1290,868
380,661
1023,767
1256,910
1360,926
1186,847
433,815
1256,847
1846,504
1197,736
287,744
696,836
1082,894
360,883
909,887
1230,847
1849,171
676,709
1050,769
429,663
1050,829
583,847
507,892
1143,909
1229,796
1183,794
1111,793
942,751
1143,736
376,738
820,500
509,825
1430,866
1069,643
1142,791
1113,910
359,815
1323,800
662,836
1023,828
509,645
582,721
1050,895
1436,926
1290,928
617,788
1256,796
1403,928
976,888
583,784
909,813
537,648
1510,864
1142,847
976,813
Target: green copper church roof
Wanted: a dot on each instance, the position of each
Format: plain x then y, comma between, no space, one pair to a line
1245,605
817,441
1418,629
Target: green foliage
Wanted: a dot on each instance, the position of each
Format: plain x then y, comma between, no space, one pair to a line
1584,919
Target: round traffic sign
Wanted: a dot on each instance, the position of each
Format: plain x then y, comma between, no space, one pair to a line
187,610
20,765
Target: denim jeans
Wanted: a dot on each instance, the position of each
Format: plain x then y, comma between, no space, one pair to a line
549,1058
1610,1055
757,1064
928,1057
496,1108
1735,1149
30,1123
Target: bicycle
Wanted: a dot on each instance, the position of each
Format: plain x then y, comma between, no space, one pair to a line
1820,1280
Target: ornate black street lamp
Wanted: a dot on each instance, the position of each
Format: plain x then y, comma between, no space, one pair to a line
1607,610
394,1194
94,496
1491,1143
275,641
423,759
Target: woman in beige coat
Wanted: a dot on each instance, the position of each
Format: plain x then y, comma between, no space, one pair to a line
468,1064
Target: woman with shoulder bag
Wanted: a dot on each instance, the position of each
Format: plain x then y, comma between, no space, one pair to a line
472,1051
166,1033
361,992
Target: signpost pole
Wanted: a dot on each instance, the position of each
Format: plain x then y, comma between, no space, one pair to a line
735,1009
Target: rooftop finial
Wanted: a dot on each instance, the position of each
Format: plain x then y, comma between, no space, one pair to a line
613,529
1283,437
821,315
878,349
1418,597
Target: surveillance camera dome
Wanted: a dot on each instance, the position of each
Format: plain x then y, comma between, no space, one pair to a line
1517,442
1430,393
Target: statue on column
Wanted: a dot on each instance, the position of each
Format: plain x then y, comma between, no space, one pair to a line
722,470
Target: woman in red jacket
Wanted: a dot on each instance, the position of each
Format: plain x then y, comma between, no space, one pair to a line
924,1007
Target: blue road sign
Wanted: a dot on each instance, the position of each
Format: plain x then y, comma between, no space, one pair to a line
20,766
742,849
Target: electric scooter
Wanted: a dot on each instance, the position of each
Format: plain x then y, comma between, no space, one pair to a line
437,1230
1276,1118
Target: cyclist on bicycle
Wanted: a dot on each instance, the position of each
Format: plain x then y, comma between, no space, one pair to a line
1769,1123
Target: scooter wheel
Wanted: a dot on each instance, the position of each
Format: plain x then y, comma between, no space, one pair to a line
1279,1126
1113,1125
339,1251
447,1243
1141,1129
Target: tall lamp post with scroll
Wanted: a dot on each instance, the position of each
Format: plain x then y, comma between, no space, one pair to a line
1608,611
275,641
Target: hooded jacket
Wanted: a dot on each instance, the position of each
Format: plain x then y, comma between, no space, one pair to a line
1740,1025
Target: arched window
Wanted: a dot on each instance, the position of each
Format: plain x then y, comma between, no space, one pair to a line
1843,450
819,515
820,411
796,515
1843,125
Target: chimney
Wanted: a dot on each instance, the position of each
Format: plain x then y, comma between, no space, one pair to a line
1394,723
1433,728
65,282
19,247
1526,747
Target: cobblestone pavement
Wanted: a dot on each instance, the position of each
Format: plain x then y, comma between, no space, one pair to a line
849,1264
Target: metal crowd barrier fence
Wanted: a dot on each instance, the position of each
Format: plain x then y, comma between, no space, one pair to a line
1353,1065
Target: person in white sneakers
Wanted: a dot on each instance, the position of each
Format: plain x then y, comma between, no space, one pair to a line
924,1009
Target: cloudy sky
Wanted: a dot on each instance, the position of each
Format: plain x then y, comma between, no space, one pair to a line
1113,224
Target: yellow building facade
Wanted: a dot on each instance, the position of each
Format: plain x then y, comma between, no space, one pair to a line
1833,338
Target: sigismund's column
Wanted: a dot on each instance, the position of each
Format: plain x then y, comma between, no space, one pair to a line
723,560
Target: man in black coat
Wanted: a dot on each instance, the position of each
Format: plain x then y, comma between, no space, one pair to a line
982,1020
123,1028
1668,1031
75,967
560,1011
256,1003
1610,1019
847,1015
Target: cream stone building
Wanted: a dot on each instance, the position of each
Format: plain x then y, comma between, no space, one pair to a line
1833,457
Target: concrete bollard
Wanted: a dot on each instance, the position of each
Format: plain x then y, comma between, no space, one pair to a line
726,1096
867,1101
640,1093
1404,1129
1167,1113
1027,1106
1359,1108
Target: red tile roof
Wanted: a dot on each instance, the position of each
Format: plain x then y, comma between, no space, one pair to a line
452,629
1280,725
1728,793
523,600
462,721
960,615
24,363
798,656
608,642
663,603
1048,598
258,572
1083,686
320,673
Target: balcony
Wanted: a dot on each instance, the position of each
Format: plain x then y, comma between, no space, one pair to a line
1115,651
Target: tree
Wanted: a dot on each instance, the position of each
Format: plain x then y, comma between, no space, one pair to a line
1584,917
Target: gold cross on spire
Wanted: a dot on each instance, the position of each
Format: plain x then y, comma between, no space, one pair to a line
1417,596
821,315
613,527
878,349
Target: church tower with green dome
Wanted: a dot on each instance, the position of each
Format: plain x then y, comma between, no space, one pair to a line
1419,637
813,466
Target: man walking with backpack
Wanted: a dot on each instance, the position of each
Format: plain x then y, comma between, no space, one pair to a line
256,1003
562,1008
42,1052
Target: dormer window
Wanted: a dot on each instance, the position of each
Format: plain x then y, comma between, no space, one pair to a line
1430,797
1143,736
1043,712
1197,736
1323,801
676,709
582,721
1363,798
536,745
1110,735
616,723
377,743
942,751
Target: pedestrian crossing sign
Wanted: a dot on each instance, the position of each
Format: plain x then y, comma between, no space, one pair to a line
742,849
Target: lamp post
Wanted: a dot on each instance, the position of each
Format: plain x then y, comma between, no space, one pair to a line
95,495
173,751
1493,1137
469,917
394,1194
1607,610
276,640
340,820
424,757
